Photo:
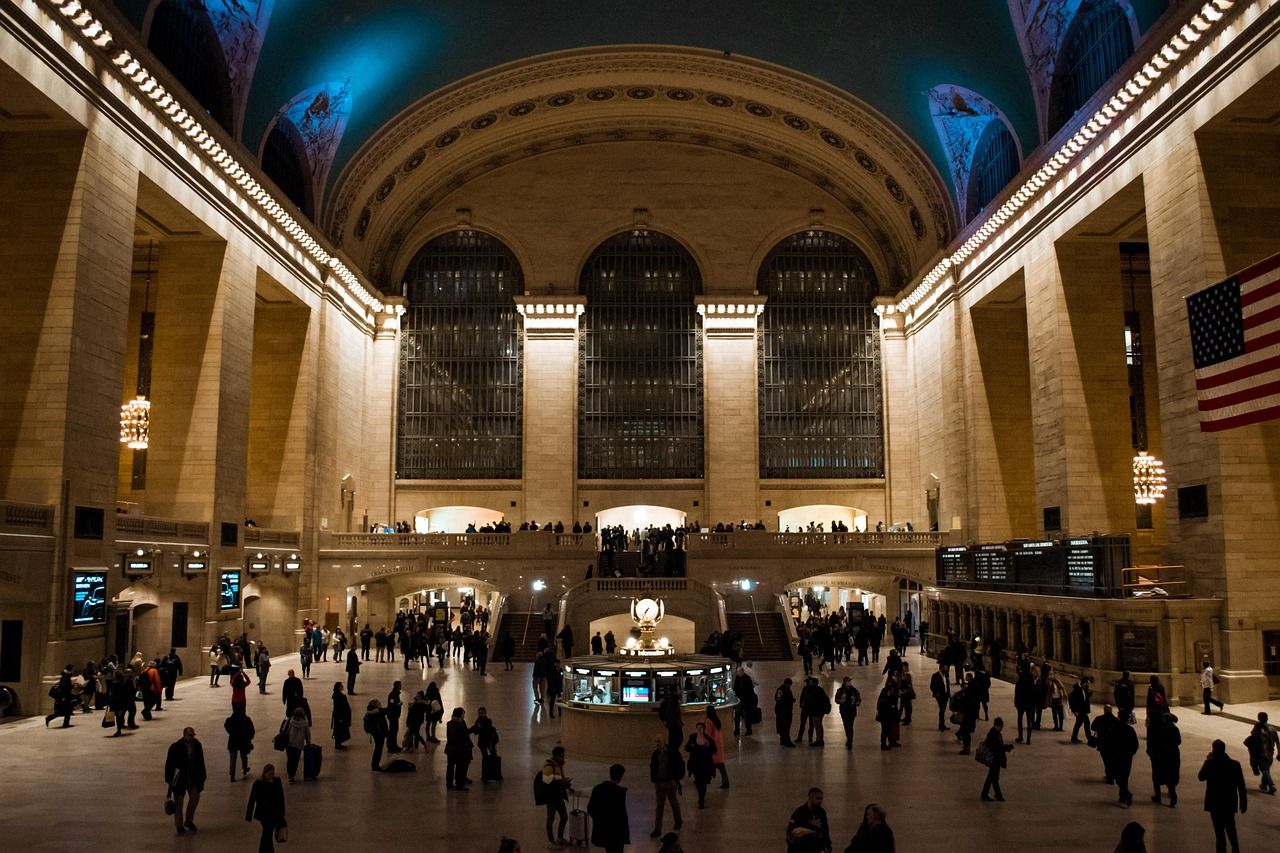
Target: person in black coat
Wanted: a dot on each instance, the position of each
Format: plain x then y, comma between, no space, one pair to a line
701,763
353,669
375,725
1163,748
874,834
266,804
744,687
1224,794
486,741
240,732
185,775
607,808
123,703
340,721
939,689
1025,700
783,704
291,693
999,759
1122,745
458,751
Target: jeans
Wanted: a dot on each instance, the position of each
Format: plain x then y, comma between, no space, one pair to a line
555,806
942,711
1224,829
665,792
1209,700
992,783
378,744
192,797
847,722
1264,768
1059,717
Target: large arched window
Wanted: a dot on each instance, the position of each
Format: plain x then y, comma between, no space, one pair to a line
1098,43
284,159
183,38
640,403
458,413
995,162
820,398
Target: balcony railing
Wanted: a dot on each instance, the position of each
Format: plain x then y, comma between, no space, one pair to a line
517,543
267,537
26,519
145,528
752,539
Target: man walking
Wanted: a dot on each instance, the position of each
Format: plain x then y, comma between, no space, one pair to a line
1207,680
1224,795
666,769
783,703
809,831
1078,701
847,700
1262,743
184,773
999,751
607,808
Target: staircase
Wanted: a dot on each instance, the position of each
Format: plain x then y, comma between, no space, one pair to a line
525,628
627,562
770,642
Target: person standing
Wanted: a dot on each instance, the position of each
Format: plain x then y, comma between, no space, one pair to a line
808,830
1224,794
1123,746
291,693
1124,696
607,808
184,773
458,751
298,737
1207,681
394,707
304,656
263,666
63,702
353,669
240,734
340,720
847,700
487,742
968,711
999,751
1025,699
783,704
874,834
1104,728
555,683
239,686
541,664
1262,743
939,689
170,672
808,707
666,769
375,725
744,687
1163,742
887,714
366,639
266,805
507,648
217,660
701,763
906,692
551,791
566,640
715,731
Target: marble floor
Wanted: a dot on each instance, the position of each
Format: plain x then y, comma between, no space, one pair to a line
80,789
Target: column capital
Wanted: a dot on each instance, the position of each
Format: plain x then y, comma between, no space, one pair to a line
730,316
551,316
386,323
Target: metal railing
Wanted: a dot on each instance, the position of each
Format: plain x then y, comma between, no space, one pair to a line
759,538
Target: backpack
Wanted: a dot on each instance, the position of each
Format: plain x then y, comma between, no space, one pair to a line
541,791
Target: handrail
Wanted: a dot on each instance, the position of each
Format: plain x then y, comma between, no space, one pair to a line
757,538
756,616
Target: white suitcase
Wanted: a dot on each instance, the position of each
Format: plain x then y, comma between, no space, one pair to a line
579,834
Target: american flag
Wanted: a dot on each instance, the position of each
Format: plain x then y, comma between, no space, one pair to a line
1235,339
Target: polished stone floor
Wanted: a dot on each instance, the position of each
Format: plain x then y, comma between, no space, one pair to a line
78,789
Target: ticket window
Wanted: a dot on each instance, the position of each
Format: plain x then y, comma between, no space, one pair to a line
666,685
695,689
604,690
580,690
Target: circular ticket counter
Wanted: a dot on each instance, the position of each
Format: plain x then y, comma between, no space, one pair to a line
610,704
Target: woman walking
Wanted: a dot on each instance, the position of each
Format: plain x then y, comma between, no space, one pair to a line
715,731
266,805
702,768
298,733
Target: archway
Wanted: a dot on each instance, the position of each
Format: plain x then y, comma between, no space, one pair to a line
798,518
640,516
454,519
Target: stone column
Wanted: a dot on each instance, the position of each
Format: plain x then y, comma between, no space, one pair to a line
550,406
380,413
901,447
731,414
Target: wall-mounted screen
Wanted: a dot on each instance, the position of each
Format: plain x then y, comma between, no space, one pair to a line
292,564
88,598
635,690
229,594
194,565
258,565
136,565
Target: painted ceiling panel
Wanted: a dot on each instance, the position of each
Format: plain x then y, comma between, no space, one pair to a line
890,54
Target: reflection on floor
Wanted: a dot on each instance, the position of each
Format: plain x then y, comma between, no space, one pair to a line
78,788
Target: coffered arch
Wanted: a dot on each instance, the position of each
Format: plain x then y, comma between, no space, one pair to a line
617,95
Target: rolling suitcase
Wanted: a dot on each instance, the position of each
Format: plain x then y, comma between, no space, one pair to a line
579,833
491,768
312,758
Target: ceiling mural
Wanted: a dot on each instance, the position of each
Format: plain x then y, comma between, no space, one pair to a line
961,116
320,115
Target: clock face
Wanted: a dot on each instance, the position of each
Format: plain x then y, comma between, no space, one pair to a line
647,609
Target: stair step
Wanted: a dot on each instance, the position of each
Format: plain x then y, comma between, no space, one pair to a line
768,641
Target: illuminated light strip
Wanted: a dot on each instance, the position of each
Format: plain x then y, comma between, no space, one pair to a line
131,68
1210,14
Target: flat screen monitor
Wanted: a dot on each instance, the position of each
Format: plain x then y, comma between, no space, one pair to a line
635,693
229,594
88,598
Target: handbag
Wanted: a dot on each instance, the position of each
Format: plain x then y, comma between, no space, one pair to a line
282,833
281,740
983,755
170,807
109,719
956,719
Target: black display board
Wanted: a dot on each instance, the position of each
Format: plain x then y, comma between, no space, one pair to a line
993,563
229,594
1084,560
1039,563
954,564
89,597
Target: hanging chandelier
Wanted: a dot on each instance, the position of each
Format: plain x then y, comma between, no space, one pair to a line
135,423
1149,482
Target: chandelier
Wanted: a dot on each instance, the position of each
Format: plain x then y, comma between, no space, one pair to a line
1148,478
135,423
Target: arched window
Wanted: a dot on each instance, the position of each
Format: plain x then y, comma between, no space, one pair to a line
995,162
183,38
284,159
458,412
1097,44
820,397
640,404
